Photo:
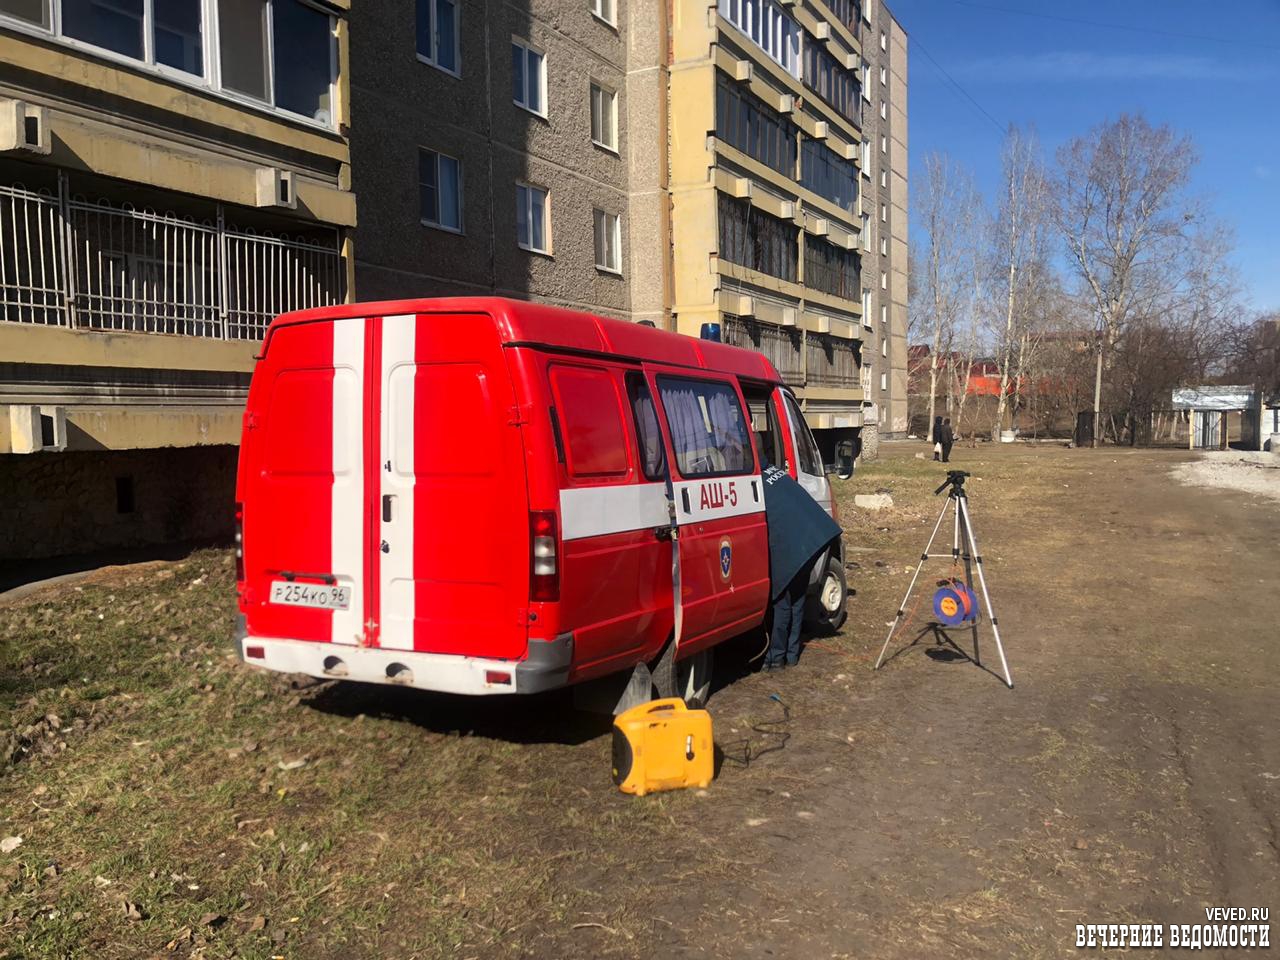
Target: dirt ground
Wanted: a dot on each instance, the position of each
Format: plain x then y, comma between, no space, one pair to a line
178,804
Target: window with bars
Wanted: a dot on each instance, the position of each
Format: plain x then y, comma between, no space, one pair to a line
753,239
829,175
832,361
95,264
837,86
748,124
782,345
831,269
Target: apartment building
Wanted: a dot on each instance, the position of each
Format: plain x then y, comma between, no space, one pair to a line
884,219
173,173
682,164
511,149
766,118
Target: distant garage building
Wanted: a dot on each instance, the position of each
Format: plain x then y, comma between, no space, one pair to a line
1210,409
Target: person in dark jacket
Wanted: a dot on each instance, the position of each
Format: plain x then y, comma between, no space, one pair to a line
936,436
799,530
948,438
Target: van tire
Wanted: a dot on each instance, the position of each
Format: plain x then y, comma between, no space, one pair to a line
833,595
689,679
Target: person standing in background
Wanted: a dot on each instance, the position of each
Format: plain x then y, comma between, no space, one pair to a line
936,437
948,438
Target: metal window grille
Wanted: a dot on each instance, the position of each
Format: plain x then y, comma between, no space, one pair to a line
753,239
32,283
832,270
832,361
781,345
98,265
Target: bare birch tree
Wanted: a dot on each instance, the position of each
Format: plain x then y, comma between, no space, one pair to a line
950,216
1123,213
1019,248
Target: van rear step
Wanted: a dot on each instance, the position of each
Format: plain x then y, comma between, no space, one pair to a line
546,666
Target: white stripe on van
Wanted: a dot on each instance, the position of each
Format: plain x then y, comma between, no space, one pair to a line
346,558
718,499
399,371
597,511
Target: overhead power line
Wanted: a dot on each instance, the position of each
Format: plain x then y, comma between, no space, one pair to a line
955,83
1117,26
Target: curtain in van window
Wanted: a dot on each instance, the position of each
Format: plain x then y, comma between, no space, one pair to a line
708,432
652,456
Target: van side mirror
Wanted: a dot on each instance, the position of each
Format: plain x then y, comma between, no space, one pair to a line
844,465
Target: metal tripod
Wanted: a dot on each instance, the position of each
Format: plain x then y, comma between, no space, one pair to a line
963,547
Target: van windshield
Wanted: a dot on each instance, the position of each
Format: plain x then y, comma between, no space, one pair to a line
708,432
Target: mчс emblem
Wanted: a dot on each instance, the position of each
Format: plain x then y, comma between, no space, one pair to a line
726,558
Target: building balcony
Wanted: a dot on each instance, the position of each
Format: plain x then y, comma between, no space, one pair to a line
81,264
811,362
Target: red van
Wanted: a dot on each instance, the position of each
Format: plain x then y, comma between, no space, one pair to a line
490,496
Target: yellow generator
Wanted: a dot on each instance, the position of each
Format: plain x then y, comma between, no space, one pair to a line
662,745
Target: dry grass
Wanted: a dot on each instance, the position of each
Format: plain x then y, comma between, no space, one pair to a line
922,811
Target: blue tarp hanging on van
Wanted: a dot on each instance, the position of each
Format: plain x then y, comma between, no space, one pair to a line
798,528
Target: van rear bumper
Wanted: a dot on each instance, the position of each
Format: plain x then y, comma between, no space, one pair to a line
545,668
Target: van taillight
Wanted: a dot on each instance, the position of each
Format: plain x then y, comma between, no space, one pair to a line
239,543
544,568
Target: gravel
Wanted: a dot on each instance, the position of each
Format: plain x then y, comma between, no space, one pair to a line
1257,473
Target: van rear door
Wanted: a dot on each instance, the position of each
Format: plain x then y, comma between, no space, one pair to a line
451,509
302,485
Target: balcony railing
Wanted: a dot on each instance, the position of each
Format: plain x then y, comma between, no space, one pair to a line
781,345
66,261
832,361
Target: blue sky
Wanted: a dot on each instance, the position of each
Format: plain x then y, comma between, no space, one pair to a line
1211,70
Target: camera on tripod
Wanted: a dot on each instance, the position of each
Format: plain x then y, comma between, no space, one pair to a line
955,603
955,480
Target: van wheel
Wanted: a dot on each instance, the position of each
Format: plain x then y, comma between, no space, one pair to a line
689,679
833,594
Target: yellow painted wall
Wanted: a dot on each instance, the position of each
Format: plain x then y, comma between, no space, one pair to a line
141,86
29,343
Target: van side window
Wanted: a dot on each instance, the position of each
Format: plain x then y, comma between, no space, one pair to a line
590,412
653,458
806,448
764,422
708,432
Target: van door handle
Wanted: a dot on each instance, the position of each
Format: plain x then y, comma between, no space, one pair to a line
663,533
386,507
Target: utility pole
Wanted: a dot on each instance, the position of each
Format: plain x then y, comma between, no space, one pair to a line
1097,396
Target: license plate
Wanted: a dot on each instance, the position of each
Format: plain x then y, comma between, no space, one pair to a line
310,595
